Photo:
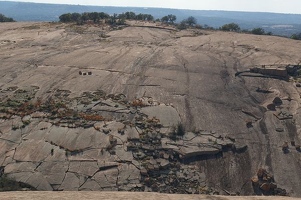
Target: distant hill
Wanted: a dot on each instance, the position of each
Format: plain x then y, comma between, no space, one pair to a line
279,24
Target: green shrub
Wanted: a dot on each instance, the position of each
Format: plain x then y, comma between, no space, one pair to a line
230,27
14,127
258,31
177,132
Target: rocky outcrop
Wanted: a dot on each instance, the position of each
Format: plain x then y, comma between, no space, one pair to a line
278,72
64,131
264,183
102,142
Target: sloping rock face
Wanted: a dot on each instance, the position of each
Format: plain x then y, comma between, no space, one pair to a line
100,142
146,109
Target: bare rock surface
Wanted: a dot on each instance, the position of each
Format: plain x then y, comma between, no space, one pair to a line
124,196
148,109
167,115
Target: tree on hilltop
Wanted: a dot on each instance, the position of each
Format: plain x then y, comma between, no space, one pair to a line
182,25
169,19
296,36
191,21
144,17
130,15
258,31
103,15
94,16
76,17
230,27
66,17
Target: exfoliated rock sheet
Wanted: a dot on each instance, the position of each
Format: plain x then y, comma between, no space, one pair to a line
91,108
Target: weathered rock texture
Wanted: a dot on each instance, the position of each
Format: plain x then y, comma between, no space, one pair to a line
146,109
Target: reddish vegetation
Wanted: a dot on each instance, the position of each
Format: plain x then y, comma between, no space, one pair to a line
91,117
137,103
25,109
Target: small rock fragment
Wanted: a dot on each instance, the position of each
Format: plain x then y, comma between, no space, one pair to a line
255,181
261,172
273,185
143,172
265,187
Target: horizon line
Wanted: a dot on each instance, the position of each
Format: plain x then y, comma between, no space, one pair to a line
156,8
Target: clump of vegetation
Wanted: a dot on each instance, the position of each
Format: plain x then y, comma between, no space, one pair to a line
120,19
26,123
6,19
233,27
230,27
169,19
186,23
296,36
137,103
96,17
91,117
177,132
182,25
15,127
191,21
259,31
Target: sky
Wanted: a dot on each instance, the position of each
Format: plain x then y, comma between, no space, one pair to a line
277,6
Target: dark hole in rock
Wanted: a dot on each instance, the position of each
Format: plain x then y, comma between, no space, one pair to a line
277,101
271,107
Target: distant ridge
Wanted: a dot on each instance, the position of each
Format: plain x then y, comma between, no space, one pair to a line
23,11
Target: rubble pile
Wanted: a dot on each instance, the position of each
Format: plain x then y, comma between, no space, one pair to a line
264,183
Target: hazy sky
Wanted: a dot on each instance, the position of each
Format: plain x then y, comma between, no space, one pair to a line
279,6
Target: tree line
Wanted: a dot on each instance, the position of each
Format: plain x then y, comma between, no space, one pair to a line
115,19
256,31
236,28
119,19
6,19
